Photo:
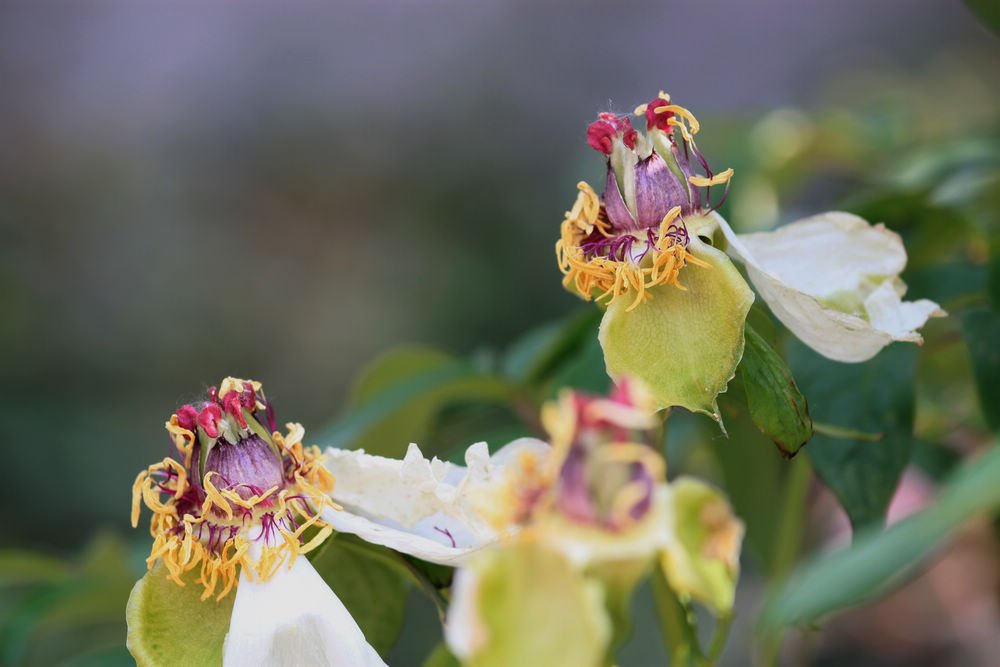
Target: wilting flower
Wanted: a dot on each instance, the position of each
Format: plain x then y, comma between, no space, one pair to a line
594,516
432,509
650,248
234,507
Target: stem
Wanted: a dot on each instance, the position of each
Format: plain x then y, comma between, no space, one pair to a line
842,433
788,540
678,634
427,586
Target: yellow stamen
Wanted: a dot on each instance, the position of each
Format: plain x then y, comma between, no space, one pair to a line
193,541
718,179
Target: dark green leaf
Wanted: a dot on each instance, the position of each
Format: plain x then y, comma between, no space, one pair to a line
585,370
988,12
776,405
399,395
370,583
441,657
981,328
541,351
878,562
874,397
752,470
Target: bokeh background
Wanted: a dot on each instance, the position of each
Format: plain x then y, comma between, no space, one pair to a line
283,191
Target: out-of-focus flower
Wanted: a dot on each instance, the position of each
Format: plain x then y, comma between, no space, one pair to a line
234,506
593,517
651,246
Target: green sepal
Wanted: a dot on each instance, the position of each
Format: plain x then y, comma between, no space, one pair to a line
206,443
684,344
169,624
776,405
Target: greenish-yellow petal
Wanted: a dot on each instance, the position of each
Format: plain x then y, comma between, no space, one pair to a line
171,625
684,344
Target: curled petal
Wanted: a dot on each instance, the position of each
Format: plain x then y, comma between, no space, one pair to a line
704,559
293,618
431,509
833,280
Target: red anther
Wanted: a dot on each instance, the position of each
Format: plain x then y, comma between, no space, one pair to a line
213,394
187,417
658,120
209,418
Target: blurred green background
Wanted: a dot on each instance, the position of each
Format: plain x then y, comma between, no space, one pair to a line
283,192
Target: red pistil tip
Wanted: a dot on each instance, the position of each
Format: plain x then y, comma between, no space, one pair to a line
608,127
658,120
187,417
209,418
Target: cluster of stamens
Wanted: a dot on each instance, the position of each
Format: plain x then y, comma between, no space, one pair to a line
634,237
601,469
232,484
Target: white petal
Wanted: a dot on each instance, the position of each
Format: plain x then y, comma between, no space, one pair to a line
832,279
293,618
426,508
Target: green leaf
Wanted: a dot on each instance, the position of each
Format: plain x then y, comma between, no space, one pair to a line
537,610
685,344
981,329
170,624
988,12
543,350
18,567
584,371
879,562
398,397
776,405
873,397
370,583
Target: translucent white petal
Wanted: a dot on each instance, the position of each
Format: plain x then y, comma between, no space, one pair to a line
465,631
431,509
291,619
833,280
